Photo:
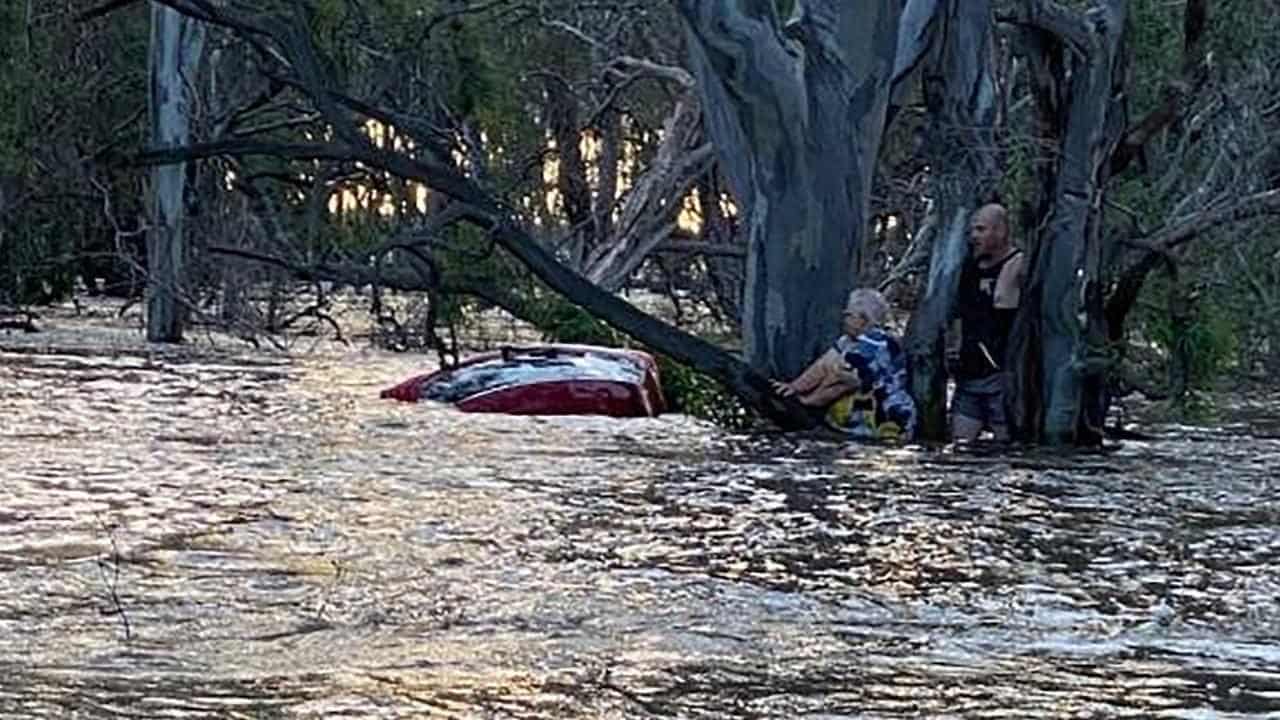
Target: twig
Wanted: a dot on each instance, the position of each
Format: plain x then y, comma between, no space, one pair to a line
918,253
317,312
113,582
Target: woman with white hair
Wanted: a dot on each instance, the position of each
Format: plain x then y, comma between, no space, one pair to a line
860,383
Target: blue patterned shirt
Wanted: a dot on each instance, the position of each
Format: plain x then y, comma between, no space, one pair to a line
881,409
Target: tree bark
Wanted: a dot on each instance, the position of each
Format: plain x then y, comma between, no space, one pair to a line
796,121
177,42
1045,55
719,232
960,92
571,169
609,163
1067,314
651,207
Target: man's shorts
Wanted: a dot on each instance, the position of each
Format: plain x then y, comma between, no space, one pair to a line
981,399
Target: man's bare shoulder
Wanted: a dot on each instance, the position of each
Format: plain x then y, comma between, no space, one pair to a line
1016,267
1009,284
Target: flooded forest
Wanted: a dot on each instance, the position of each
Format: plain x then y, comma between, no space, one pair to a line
228,228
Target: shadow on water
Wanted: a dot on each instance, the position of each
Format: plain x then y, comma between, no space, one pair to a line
204,537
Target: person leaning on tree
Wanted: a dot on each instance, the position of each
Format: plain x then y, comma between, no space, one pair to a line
988,297
858,387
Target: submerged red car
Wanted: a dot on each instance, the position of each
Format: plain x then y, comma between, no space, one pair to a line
545,380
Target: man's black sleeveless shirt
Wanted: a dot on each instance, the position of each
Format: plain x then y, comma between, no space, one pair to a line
983,326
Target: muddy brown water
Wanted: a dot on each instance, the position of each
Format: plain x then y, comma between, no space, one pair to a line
209,535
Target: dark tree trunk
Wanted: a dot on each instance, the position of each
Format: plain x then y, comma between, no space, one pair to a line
1182,315
10,190
960,92
724,274
1045,55
1065,312
609,163
797,122
571,170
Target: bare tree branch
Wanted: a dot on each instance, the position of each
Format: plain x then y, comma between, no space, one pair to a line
104,9
1179,233
1176,95
1063,23
649,68
241,148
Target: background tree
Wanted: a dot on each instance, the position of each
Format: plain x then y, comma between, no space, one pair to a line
1207,171
69,105
177,46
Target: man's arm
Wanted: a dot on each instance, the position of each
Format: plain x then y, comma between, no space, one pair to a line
1008,293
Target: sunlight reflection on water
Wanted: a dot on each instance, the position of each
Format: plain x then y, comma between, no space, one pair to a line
284,544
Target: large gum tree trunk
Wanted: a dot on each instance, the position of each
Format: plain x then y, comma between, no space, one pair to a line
796,117
960,93
1064,312
176,45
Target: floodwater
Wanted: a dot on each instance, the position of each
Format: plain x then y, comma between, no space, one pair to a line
202,534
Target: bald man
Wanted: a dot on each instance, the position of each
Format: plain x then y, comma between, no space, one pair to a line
990,289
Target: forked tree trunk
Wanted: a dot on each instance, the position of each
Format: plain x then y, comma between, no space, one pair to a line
1059,345
796,120
960,93
177,42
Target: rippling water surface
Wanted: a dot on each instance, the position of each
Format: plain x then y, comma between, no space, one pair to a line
202,535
